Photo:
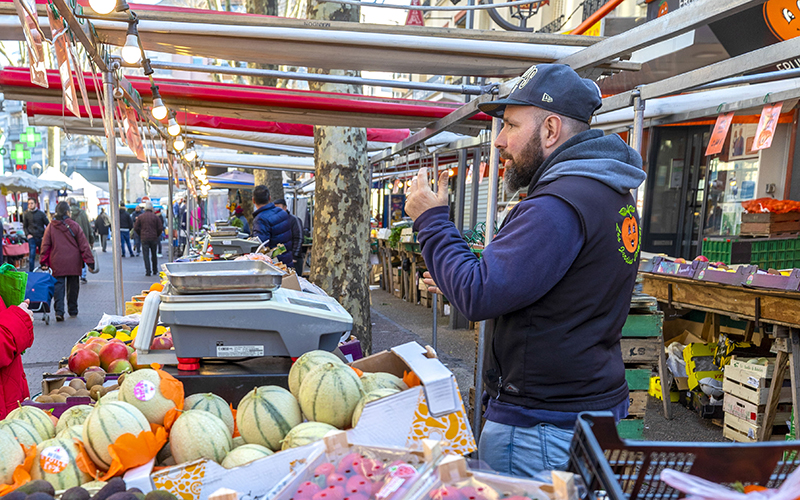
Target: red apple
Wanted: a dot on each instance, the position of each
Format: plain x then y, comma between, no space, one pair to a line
77,347
83,359
701,258
120,366
130,350
94,369
95,346
680,260
112,351
134,359
161,343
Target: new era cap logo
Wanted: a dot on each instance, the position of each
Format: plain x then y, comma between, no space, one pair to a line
526,77
546,98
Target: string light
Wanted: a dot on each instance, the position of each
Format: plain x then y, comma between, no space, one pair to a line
179,143
159,110
173,128
103,6
131,52
189,154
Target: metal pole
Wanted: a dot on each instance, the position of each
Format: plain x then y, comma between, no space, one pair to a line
473,209
170,215
488,325
113,195
188,221
435,300
637,131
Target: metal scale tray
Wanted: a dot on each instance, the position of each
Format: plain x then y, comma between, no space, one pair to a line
215,277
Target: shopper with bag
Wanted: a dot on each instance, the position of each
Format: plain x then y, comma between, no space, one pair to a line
64,250
16,335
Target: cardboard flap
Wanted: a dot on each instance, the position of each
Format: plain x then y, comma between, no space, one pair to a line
440,392
452,469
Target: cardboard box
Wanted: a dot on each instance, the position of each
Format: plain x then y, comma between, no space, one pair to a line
685,338
291,282
433,410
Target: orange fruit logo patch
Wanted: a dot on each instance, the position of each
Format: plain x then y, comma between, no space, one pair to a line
628,235
783,18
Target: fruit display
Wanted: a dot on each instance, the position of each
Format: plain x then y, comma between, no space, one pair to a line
379,380
110,348
213,404
57,464
305,364
12,454
39,419
114,489
142,389
95,384
266,414
244,455
306,433
368,398
23,431
185,446
107,422
329,393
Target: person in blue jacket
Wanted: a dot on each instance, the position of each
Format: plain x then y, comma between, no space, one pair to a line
272,224
556,281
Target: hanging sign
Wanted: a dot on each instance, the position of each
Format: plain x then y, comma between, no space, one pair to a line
81,82
414,17
131,126
62,44
26,10
766,126
720,133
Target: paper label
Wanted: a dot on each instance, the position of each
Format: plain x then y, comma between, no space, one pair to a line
239,351
226,242
144,390
752,381
54,459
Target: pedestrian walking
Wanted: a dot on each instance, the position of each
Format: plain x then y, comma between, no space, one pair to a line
149,227
65,250
33,223
102,225
79,215
137,238
125,226
161,235
16,335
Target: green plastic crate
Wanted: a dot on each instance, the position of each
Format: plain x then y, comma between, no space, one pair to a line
776,253
727,250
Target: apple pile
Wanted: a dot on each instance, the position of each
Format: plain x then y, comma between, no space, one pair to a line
113,356
356,477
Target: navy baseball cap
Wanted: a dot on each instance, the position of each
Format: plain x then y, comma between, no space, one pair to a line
554,87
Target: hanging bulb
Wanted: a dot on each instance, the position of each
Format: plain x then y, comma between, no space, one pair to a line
103,6
179,144
159,110
190,154
131,53
173,128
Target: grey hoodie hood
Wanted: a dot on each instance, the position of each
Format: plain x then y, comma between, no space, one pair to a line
605,158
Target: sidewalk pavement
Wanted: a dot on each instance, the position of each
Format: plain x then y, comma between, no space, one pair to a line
54,341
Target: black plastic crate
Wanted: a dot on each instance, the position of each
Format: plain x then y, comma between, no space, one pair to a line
630,470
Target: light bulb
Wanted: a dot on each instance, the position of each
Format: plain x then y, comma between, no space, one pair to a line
173,128
159,109
179,144
103,6
131,53
190,154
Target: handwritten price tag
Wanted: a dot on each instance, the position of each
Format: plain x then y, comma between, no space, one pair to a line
54,459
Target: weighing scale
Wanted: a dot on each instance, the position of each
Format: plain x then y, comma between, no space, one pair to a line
228,240
234,316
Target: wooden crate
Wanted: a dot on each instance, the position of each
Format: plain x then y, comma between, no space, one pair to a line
751,386
752,413
769,224
743,431
641,350
638,404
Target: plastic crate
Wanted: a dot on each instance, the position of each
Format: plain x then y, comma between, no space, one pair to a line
727,250
776,253
623,470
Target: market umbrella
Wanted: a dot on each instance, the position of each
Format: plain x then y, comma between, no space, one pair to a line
17,183
53,180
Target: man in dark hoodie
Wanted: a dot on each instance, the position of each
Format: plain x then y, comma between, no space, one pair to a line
556,281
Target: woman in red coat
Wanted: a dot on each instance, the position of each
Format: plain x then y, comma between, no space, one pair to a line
64,250
16,335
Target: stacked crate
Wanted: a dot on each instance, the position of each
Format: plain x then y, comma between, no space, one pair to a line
746,388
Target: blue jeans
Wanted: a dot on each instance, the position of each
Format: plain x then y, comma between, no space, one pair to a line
525,451
33,243
125,238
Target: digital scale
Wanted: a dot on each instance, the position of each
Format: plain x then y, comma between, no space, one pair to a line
232,318
227,241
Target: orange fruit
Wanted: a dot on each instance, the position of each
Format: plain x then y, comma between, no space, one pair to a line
157,287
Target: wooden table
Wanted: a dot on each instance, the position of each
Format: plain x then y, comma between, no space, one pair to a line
769,307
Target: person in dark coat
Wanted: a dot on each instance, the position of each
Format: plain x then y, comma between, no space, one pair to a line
149,227
101,225
125,226
33,223
137,238
65,250
272,224
297,236
79,215
16,335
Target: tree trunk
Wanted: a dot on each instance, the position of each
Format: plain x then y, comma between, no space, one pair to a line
340,254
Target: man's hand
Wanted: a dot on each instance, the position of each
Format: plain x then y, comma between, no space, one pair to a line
30,236
24,307
420,197
428,280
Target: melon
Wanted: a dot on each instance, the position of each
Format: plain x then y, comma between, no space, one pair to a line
12,455
368,398
330,393
24,432
105,424
74,415
110,396
305,364
381,380
213,404
55,462
199,434
244,455
72,432
266,414
39,419
142,389
238,441
306,433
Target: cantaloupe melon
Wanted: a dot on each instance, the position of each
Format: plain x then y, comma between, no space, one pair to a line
39,419
199,434
306,433
110,396
368,398
244,455
11,455
24,432
55,463
142,389
330,393
74,415
72,432
266,414
213,404
305,364
381,380
238,441
106,423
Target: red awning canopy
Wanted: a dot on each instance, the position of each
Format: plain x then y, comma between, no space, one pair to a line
303,107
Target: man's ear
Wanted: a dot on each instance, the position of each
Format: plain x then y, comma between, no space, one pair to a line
552,129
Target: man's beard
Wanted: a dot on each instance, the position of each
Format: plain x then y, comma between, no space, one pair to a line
520,170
